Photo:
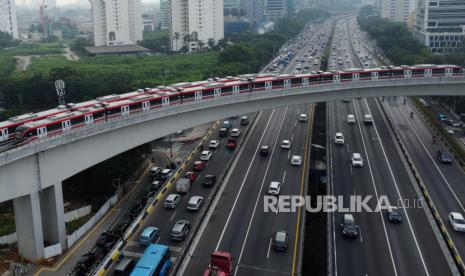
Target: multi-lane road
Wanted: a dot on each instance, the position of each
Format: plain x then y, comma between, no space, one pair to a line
237,222
382,248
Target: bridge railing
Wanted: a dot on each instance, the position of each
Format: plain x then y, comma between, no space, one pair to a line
120,121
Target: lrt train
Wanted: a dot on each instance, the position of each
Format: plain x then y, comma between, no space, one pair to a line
27,128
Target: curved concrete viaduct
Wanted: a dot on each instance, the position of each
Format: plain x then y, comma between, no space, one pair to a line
32,174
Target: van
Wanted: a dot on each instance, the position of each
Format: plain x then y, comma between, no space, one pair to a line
124,267
244,120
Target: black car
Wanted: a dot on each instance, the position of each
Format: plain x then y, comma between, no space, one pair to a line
280,240
223,132
105,238
137,208
393,214
209,180
444,157
349,228
264,150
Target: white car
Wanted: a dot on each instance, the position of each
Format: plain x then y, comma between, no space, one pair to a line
194,203
339,138
351,119
457,221
214,144
205,155
296,160
286,144
356,160
302,117
235,132
274,188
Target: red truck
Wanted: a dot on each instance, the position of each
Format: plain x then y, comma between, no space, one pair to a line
221,264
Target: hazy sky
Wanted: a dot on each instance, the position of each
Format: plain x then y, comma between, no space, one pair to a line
65,2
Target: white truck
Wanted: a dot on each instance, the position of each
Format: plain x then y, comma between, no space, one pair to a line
183,185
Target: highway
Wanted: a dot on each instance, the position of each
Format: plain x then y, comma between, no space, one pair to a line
238,223
382,248
253,174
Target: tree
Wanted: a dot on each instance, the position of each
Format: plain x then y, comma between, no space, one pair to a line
6,40
78,45
176,37
211,43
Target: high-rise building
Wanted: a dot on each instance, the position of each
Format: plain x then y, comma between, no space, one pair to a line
8,22
440,24
254,9
397,10
276,9
231,4
165,14
195,20
116,22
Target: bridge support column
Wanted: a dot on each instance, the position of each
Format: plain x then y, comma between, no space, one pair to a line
53,216
29,226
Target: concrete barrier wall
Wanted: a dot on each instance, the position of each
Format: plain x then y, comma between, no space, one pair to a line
78,213
52,250
71,239
8,239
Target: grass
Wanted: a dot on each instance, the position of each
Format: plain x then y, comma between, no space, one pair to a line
75,224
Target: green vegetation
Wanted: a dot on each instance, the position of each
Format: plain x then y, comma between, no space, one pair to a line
326,53
158,41
75,224
7,226
398,43
91,77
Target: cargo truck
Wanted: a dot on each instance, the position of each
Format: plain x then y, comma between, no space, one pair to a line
221,264
183,185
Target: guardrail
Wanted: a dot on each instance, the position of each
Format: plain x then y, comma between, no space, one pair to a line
116,250
437,218
450,142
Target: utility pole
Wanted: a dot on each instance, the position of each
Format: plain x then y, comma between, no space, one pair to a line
60,88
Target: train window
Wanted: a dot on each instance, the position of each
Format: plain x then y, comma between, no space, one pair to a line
227,89
208,93
383,73
296,81
397,72
188,96
418,71
438,71
364,75
113,111
78,120
346,76
244,87
278,83
97,115
53,127
135,106
259,85
314,79
155,102
174,98
457,70
327,78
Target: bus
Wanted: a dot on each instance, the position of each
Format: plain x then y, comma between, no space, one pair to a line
156,261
